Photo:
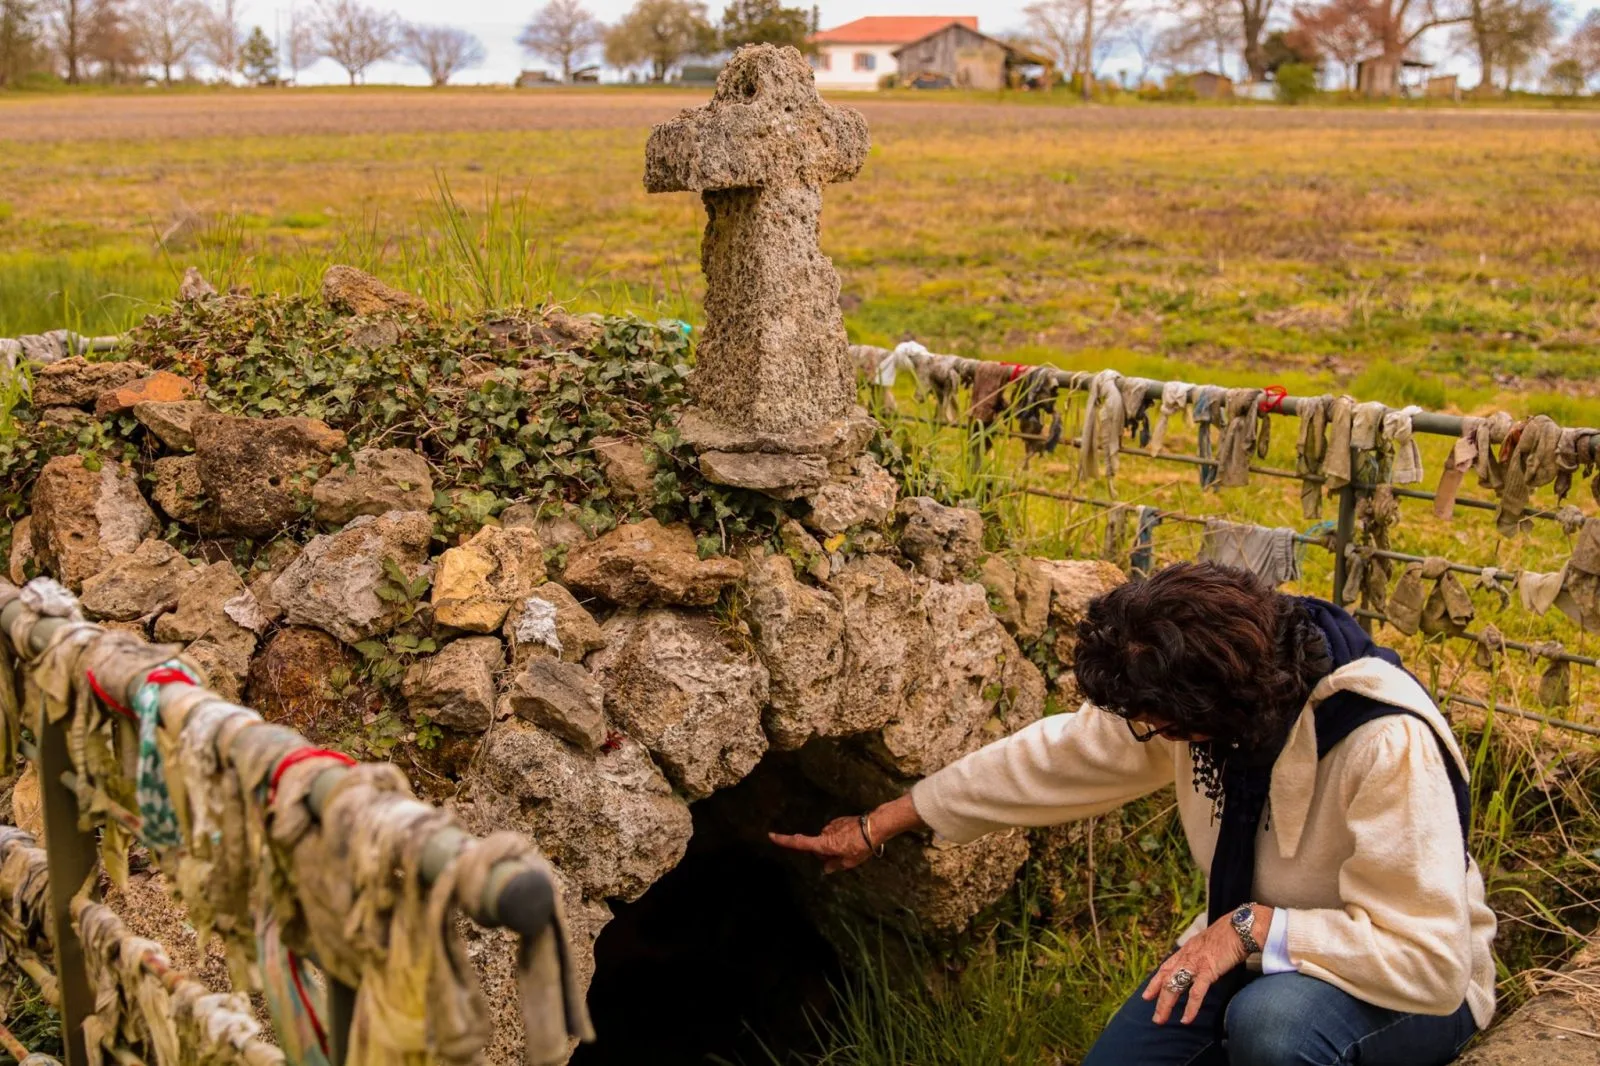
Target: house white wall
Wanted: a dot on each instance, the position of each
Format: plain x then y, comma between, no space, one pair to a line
836,65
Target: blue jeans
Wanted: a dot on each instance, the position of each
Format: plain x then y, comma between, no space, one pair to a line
1286,1019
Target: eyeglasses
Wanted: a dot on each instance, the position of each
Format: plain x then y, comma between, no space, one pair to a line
1166,732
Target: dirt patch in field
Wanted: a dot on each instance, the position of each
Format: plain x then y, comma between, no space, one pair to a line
332,112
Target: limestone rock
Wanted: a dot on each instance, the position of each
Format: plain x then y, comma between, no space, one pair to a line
864,497
223,669
840,439
163,386
76,382
943,541
786,477
887,644
356,292
799,634
306,680
979,687
201,615
608,818
140,584
628,467
773,352
259,471
23,564
171,423
1073,583
380,480
563,698
551,622
649,563
805,550
934,888
67,420
455,688
1019,592
82,518
195,286
334,583
559,532
676,684
477,583
999,580
1033,600
179,492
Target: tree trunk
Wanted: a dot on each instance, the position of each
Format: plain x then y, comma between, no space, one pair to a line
1480,43
352,77
1253,22
1088,50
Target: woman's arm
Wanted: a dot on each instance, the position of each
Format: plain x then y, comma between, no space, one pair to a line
1064,767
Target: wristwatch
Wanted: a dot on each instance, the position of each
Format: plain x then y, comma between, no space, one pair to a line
1244,923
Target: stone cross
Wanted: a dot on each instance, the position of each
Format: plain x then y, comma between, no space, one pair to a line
772,360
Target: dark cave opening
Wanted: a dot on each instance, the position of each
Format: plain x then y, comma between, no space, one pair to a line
719,961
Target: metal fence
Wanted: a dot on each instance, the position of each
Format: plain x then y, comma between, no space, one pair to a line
68,682
1345,541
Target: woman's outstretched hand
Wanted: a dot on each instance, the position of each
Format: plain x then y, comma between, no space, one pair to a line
842,845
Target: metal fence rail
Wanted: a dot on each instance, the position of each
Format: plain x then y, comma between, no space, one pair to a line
1347,497
517,894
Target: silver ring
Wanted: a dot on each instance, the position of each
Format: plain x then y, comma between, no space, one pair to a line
1180,981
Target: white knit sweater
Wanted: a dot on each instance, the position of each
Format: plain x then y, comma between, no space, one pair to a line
1362,849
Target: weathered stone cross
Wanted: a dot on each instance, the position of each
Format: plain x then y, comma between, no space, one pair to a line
772,361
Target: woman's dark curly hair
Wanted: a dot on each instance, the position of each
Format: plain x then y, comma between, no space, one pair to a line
1211,650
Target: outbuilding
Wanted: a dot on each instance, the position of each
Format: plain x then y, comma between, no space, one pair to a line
958,56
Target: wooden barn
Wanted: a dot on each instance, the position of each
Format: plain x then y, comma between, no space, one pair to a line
959,57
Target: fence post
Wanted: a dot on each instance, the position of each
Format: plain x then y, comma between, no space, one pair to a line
1344,531
71,855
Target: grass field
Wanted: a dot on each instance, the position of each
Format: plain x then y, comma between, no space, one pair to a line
1458,243
1443,257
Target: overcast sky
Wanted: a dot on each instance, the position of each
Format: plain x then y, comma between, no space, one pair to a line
498,22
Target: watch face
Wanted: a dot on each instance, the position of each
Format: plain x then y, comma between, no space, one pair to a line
1242,914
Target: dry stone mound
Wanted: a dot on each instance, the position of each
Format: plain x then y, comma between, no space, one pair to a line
334,583
979,687
76,382
171,423
562,697
456,686
608,818
551,621
358,293
378,480
141,584
688,693
83,518
647,562
259,471
478,583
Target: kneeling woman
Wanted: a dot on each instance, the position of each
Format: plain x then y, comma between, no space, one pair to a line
1316,782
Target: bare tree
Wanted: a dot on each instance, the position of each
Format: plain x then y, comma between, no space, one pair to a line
563,32
1253,18
442,51
1584,44
1205,33
69,29
300,48
1399,24
1143,35
19,39
1076,34
167,32
221,36
1341,30
355,36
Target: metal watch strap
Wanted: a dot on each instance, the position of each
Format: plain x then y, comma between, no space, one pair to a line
1243,921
